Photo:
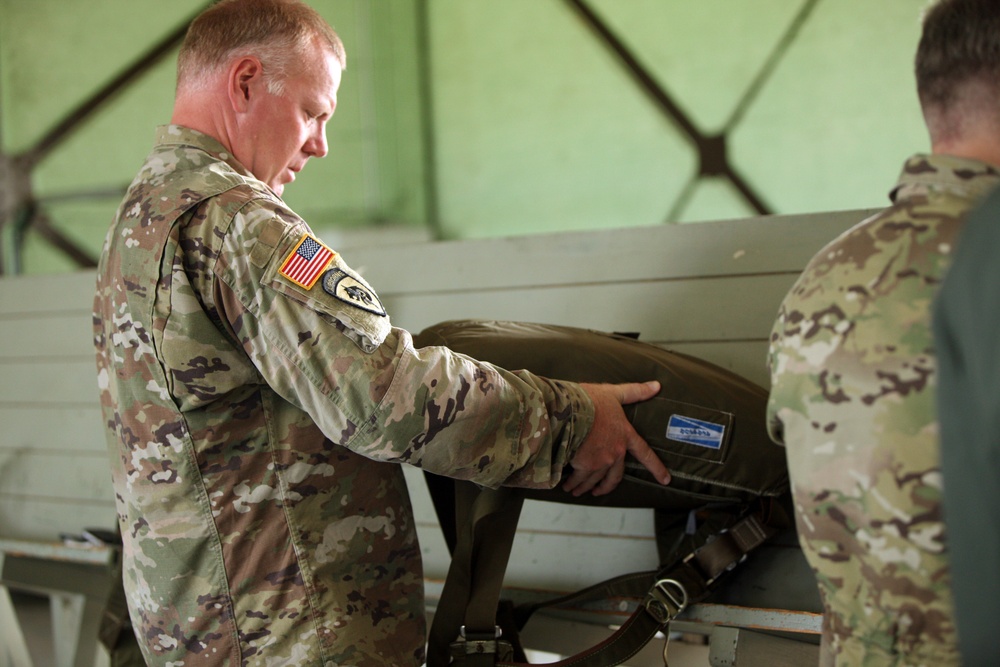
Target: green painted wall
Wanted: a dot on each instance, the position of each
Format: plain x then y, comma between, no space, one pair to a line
534,125
539,128
55,53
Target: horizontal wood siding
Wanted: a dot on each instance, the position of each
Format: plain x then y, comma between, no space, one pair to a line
710,289
54,475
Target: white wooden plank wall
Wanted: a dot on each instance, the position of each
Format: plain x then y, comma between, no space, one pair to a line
53,461
709,289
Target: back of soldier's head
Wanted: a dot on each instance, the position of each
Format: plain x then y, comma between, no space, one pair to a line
280,33
958,59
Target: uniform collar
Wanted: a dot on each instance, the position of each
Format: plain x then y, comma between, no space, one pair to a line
965,177
178,135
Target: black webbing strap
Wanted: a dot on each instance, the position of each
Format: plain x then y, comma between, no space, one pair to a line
664,594
465,627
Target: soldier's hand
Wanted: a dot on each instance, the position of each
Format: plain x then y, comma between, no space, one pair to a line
599,464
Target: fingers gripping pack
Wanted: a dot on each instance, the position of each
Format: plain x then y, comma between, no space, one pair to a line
707,424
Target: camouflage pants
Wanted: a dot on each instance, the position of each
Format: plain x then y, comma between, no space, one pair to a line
115,632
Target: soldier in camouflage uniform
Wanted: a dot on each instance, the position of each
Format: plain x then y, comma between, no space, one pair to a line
853,370
258,400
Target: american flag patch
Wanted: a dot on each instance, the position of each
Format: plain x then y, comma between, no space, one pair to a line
306,262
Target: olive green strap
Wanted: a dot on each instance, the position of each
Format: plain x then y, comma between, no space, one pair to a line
486,521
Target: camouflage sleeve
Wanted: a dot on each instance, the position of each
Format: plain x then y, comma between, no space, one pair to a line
320,338
806,345
775,427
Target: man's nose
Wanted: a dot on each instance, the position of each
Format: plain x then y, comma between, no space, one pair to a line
317,146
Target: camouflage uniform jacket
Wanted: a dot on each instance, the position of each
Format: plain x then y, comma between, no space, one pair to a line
257,402
852,397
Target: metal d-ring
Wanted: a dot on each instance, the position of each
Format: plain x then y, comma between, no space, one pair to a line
666,599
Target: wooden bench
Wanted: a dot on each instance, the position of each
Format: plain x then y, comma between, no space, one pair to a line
75,579
708,289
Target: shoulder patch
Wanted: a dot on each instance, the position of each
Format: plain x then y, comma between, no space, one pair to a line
306,262
343,286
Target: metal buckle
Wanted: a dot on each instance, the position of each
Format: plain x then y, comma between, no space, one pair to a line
480,642
666,600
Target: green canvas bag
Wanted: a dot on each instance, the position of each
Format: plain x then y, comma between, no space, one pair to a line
728,491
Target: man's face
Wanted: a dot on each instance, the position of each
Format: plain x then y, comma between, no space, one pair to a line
281,132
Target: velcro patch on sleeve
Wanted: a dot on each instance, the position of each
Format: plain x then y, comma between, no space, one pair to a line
306,262
352,290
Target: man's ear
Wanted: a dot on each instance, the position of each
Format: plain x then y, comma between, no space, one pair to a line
245,78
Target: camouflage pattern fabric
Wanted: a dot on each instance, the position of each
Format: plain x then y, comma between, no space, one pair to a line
853,376
257,402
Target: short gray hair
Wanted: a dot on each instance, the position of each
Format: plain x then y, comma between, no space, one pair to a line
282,34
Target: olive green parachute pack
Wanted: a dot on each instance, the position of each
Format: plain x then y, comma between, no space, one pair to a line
727,496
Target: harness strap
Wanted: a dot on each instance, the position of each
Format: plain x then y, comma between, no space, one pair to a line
464,627
664,593
486,521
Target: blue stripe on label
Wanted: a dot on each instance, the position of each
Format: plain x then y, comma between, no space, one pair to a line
695,432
